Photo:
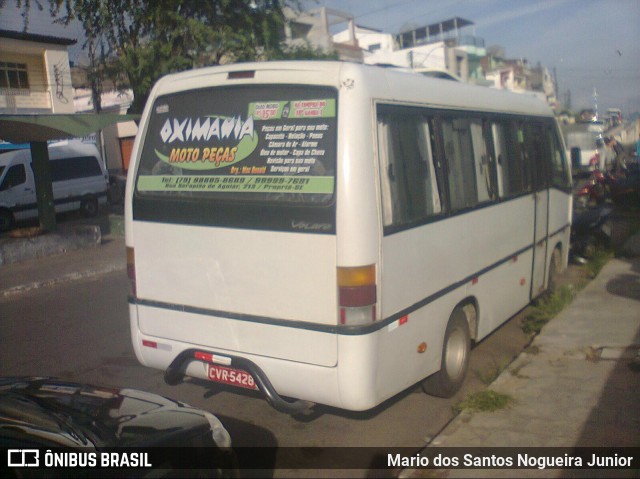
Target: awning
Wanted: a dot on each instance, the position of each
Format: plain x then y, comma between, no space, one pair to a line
37,127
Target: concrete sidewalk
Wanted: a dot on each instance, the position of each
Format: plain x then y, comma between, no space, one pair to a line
88,261
578,385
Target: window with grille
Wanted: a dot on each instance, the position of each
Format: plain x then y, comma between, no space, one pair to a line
14,75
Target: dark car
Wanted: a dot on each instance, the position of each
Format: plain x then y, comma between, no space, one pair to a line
53,415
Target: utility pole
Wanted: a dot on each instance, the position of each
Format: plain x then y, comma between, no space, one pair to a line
44,190
555,82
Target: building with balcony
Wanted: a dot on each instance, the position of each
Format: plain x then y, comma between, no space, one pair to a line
313,28
517,76
443,46
34,73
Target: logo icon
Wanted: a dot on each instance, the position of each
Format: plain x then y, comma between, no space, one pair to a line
23,458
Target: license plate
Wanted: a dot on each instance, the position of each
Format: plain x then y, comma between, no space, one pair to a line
231,376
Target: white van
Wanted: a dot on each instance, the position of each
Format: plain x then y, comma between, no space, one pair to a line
336,233
77,173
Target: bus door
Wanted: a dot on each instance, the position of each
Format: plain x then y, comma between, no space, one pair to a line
536,162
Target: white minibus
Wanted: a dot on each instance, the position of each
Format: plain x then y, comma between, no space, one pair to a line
79,181
336,233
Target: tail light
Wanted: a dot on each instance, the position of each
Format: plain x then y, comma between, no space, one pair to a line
131,270
357,295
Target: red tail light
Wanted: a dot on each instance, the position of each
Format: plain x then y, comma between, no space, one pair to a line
357,294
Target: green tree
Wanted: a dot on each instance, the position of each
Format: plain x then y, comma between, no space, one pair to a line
145,39
135,42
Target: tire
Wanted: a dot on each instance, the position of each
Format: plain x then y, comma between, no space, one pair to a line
456,349
7,221
89,207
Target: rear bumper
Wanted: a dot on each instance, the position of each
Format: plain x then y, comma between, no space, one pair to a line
355,385
276,377
175,373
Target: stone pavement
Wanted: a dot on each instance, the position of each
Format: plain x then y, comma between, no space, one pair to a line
578,385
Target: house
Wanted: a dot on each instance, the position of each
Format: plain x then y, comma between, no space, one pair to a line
441,46
34,73
517,76
313,28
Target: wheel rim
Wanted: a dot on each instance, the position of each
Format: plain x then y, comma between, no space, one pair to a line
455,357
90,207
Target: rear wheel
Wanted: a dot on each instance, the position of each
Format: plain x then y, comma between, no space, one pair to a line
455,358
89,206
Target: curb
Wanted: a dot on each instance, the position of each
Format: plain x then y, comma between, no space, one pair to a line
61,279
17,250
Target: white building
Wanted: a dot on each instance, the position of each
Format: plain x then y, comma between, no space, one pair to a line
518,77
313,28
442,46
34,73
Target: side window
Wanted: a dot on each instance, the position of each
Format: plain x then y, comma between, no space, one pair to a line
410,192
75,167
60,170
501,149
560,176
459,154
536,155
86,166
519,159
16,175
484,161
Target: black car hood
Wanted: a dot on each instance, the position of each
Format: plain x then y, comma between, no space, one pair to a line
55,412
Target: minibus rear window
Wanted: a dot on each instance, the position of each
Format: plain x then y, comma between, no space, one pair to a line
265,143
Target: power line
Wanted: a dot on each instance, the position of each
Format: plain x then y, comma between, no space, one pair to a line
393,5
403,3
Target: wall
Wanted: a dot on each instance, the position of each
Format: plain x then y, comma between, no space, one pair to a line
425,56
43,61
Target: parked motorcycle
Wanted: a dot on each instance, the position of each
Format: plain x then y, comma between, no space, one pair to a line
621,187
594,191
590,231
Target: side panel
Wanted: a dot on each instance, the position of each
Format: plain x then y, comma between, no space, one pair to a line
560,208
492,242
358,216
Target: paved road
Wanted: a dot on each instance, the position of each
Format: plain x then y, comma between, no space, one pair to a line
79,331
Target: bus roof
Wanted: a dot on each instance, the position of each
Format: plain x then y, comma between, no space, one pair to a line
383,83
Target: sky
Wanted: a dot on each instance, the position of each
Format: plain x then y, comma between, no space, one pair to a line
590,44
